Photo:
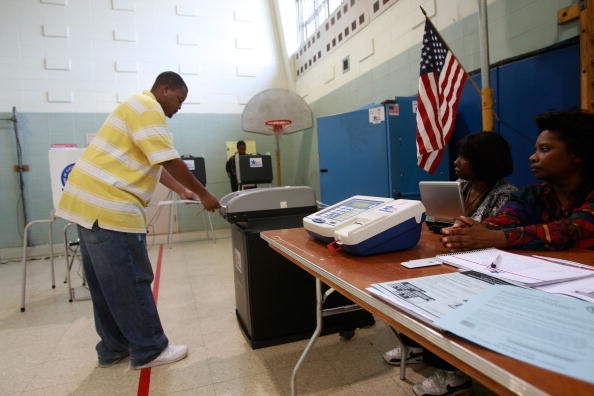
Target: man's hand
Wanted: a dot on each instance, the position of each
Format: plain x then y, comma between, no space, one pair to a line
177,171
209,201
188,194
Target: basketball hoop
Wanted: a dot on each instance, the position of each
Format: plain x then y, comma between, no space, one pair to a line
278,125
276,111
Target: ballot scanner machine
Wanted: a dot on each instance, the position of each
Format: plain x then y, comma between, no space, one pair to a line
363,225
275,298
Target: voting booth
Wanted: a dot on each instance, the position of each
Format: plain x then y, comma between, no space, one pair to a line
275,299
253,169
61,162
197,166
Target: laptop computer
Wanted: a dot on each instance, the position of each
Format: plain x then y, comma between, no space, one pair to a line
443,203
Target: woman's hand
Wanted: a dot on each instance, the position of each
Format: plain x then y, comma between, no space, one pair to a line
467,234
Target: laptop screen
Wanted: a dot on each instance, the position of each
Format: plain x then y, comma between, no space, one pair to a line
442,200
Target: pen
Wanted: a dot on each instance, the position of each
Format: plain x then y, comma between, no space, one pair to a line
496,262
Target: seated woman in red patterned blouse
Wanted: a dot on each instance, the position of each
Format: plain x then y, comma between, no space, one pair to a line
553,215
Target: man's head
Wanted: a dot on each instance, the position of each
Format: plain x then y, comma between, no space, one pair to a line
241,147
170,90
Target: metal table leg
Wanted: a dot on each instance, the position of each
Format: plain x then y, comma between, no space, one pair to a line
320,314
403,354
312,340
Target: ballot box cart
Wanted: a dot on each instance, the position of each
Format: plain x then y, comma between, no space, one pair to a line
276,299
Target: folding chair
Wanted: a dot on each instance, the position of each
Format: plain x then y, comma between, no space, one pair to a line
50,223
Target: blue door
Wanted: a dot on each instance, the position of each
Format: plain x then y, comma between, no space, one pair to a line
522,89
353,156
405,172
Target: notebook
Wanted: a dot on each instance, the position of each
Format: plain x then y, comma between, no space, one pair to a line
443,203
518,268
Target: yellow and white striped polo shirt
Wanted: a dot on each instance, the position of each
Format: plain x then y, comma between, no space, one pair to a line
117,174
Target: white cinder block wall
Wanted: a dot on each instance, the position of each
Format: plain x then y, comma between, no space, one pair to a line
86,55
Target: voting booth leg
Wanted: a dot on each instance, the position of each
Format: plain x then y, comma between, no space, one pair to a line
71,254
69,262
50,222
210,234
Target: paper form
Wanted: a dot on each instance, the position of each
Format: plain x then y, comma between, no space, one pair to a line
546,330
578,288
431,297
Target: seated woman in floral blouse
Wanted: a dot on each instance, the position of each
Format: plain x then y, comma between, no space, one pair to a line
553,215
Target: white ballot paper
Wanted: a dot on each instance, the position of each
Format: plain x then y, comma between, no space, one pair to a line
547,330
178,201
431,297
578,288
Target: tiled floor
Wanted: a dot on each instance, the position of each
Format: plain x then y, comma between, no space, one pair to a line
49,349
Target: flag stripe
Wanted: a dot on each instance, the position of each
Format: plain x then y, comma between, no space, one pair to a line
426,112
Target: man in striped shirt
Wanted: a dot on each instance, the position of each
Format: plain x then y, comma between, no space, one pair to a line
105,195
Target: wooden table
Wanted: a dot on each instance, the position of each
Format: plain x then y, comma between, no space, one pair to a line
351,275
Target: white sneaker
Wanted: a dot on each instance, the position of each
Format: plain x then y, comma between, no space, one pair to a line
442,383
394,356
172,353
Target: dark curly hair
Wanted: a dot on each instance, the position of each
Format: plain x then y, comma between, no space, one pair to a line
171,79
488,153
575,127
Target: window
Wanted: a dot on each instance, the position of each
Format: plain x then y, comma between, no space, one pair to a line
311,14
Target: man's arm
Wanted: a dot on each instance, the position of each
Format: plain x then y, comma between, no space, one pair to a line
178,170
168,181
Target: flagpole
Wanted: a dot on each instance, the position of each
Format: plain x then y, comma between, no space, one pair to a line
486,91
476,87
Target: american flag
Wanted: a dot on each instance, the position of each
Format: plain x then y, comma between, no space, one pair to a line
440,84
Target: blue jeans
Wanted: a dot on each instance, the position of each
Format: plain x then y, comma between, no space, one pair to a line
119,274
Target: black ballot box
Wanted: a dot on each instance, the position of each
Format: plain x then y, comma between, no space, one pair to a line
275,298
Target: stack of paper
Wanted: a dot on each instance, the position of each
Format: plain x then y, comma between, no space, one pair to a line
479,304
431,297
524,270
546,330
